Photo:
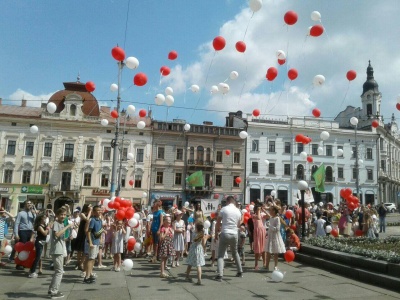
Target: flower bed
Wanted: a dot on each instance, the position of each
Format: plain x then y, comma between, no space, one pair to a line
387,249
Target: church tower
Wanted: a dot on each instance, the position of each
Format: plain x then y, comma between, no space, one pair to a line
371,97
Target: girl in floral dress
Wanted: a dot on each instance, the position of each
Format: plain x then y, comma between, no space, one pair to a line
179,238
196,252
274,244
166,245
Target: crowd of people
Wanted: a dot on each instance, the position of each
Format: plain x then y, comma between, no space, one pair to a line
166,237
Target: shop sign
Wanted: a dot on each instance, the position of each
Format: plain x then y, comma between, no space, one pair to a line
100,192
32,189
4,189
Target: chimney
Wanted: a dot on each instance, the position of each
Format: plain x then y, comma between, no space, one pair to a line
23,103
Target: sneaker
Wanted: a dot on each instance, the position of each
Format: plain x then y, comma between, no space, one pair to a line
57,296
117,269
218,278
167,268
83,274
94,275
33,275
102,267
239,274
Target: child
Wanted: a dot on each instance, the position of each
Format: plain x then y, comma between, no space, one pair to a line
108,238
166,245
294,241
196,253
3,230
42,232
57,253
242,240
117,244
320,226
274,244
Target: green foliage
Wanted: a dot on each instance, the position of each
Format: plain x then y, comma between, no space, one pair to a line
387,249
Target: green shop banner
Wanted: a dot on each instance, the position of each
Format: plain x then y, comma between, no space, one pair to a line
32,189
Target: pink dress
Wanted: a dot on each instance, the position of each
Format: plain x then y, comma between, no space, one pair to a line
258,236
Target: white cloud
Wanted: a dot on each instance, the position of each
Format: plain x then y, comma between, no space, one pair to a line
32,100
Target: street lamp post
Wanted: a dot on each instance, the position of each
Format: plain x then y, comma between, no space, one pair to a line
354,122
302,186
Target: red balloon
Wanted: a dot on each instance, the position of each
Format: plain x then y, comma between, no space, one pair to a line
90,86
131,182
213,215
228,152
130,247
375,123
114,114
310,159
292,74
132,241
348,192
142,113
290,17
359,232
118,53
351,205
351,75
118,199
335,232
299,138
116,205
289,256
281,61
111,205
316,30
29,246
241,46
343,193
219,43
398,106
140,79
129,213
238,180
316,112
19,247
271,73
172,55
256,112
120,215
164,70
289,214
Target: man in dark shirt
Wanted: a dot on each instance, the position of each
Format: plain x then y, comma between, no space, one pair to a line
382,210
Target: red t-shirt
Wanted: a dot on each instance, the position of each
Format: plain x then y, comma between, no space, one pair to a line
294,241
299,215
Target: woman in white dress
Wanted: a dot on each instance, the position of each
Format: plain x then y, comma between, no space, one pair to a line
179,238
274,244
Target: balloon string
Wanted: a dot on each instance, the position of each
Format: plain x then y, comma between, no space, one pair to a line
245,80
126,23
247,27
345,95
329,39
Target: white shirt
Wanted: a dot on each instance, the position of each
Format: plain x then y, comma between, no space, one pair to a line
231,217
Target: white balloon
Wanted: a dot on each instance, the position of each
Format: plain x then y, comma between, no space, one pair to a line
105,202
319,80
309,29
207,224
266,162
133,222
114,87
169,90
141,124
320,150
136,216
130,110
277,276
273,193
186,127
324,135
328,229
169,100
315,16
159,99
137,247
234,75
144,195
51,107
225,88
354,121
186,204
243,134
132,62
214,89
130,155
302,185
104,122
280,54
7,249
127,264
34,129
244,210
23,255
303,155
360,161
339,152
251,207
195,88
255,5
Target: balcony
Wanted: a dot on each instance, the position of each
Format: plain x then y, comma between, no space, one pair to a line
66,188
198,162
68,159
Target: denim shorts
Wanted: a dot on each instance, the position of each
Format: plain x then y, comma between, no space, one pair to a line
155,237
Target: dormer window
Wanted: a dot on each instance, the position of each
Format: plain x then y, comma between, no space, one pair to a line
73,110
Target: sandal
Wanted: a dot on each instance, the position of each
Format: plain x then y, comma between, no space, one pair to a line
163,275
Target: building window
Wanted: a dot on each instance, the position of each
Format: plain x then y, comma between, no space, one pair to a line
287,147
314,169
138,181
191,153
139,155
235,184
48,147
383,165
8,174
44,179
26,176
11,147
369,109
69,152
218,180
179,154
369,153
178,178
208,155
286,169
123,180
300,172
254,167
200,153
328,150
87,179
106,153
219,157
72,110
160,177
160,152
254,145
271,168
89,151
104,180
29,149
314,149
329,174
300,148
355,172
354,150
370,175
236,158
340,173
124,154
271,146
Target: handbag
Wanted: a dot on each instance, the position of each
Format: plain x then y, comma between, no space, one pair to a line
97,234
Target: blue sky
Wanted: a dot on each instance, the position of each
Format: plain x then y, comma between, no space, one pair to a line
45,43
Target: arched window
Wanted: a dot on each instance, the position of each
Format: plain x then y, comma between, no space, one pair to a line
300,172
72,110
314,168
328,174
200,154
369,109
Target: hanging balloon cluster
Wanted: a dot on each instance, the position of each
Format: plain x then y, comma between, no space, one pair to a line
352,201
